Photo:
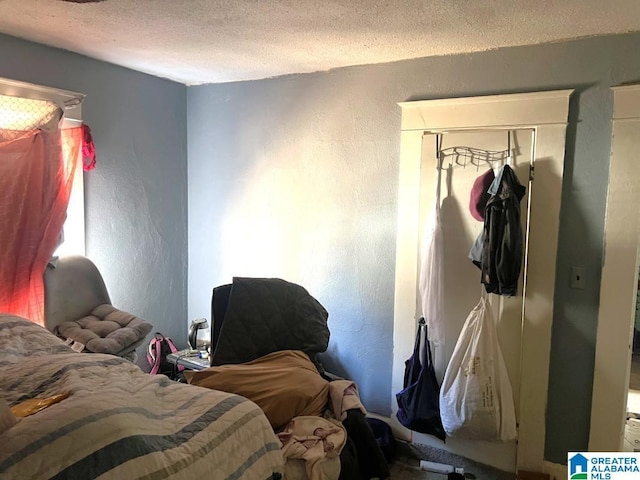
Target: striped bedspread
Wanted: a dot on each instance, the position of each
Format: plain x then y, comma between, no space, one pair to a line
120,423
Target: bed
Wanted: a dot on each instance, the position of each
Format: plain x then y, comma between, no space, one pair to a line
119,422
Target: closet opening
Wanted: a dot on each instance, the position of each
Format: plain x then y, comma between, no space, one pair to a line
476,132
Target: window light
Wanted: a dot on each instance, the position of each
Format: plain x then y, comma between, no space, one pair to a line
24,114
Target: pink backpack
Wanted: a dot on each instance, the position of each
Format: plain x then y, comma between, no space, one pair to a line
159,347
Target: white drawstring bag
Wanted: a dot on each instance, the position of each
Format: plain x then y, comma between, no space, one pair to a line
431,276
476,399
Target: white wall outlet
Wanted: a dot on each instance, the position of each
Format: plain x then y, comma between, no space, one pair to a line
578,277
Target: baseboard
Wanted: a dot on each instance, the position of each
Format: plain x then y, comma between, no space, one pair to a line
555,470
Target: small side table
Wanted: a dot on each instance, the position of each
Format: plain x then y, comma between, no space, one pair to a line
188,359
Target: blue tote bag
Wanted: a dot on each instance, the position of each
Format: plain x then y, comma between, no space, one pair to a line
419,400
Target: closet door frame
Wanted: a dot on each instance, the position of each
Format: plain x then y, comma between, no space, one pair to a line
546,113
618,286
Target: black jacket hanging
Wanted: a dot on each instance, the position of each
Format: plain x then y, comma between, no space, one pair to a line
419,400
503,243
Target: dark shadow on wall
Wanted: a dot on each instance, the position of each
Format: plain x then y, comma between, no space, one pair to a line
575,314
491,91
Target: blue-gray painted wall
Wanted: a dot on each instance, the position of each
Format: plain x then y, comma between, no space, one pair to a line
136,198
334,137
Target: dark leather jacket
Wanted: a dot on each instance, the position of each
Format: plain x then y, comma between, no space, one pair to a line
503,243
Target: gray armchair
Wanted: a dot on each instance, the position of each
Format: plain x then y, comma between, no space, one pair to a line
78,308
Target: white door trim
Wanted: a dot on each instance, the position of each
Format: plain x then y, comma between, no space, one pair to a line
618,286
546,113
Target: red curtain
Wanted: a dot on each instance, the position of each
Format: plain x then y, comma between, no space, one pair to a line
36,173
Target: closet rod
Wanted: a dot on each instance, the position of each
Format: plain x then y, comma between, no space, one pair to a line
437,131
64,98
461,149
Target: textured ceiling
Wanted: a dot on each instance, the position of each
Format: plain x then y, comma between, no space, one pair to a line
200,41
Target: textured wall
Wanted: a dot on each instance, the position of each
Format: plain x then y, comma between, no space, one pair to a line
297,177
136,198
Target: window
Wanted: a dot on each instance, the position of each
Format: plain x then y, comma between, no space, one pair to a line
73,229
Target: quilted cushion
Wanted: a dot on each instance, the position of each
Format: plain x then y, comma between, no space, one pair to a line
105,330
267,315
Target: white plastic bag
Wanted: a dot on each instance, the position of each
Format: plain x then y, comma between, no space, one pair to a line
476,399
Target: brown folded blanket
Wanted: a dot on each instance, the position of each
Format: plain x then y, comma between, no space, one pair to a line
105,330
283,384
